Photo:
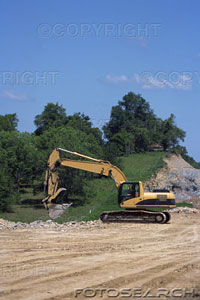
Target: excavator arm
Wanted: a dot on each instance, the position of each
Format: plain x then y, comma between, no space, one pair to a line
89,164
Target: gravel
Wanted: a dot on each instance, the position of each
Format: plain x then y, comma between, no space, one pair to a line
49,224
184,210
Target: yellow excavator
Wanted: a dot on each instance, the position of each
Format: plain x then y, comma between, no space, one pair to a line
136,203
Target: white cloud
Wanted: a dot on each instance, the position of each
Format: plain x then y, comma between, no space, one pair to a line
13,96
117,79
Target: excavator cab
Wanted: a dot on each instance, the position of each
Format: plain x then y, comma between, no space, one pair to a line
128,190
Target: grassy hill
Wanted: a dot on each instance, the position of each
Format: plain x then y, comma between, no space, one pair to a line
102,193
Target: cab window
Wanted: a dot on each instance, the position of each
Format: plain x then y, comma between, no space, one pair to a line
130,190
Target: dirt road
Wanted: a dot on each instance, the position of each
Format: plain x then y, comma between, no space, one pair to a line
100,262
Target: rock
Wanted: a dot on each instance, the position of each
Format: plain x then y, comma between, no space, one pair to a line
35,223
56,210
180,177
186,210
49,224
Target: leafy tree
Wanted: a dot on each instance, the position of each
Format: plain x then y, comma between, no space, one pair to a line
21,156
171,134
116,123
125,141
53,115
112,153
130,124
155,132
82,122
133,126
137,107
7,192
8,122
142,140
29,160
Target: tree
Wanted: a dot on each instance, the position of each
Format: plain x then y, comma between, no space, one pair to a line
53,115
171,134
8,122
131,123
82,122
21,157
125,141
137,107
7,190
133,126
116,123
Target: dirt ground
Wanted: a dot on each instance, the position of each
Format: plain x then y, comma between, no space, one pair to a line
151,261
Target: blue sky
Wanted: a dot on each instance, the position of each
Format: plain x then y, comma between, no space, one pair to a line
88,54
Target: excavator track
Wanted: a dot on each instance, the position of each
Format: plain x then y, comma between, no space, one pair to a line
135,216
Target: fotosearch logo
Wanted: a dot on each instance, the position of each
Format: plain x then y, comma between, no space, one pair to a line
135,293
82,30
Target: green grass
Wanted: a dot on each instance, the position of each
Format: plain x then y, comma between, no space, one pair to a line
183,204
29,209
26,214
142,166
102,196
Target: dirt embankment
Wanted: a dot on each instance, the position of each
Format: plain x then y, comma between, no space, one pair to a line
179,176
102,260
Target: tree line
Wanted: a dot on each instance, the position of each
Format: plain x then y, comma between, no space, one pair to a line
133,127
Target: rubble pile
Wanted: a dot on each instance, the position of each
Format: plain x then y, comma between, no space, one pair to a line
186,210
49,224
180,177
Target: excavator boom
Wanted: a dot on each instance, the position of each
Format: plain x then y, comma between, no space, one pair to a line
97,166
